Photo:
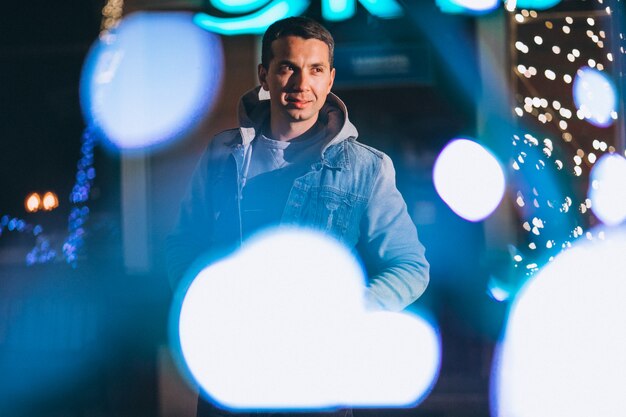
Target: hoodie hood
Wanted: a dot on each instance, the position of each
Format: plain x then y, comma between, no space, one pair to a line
254,110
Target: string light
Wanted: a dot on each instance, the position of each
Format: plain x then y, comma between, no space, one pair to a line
111,15
545,104
43,252
79,211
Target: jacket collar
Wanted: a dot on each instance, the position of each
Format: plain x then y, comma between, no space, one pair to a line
254,110
334,156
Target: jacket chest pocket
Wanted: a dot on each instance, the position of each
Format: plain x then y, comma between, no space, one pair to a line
329,210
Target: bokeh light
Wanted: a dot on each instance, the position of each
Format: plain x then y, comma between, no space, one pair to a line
338,10
253,23
274,312
32,202
467,6
536,4
606,189
383,9
50,201
563,352
237,6
112,13
498,290
151,79
595,96
469,179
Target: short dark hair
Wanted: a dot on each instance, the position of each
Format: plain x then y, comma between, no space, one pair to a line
302,27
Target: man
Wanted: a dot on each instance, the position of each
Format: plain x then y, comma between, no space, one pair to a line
295,161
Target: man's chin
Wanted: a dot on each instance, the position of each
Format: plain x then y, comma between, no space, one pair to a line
300,116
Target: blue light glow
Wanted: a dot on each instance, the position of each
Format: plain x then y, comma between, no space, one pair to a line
595,96
151,80
606,189
274,312
467,6
337,10
469,179
384,9
237,6
41,252
564,348
79,212
498,290
536,4
254,23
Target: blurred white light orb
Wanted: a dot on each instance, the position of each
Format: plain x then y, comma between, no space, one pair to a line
607,191
595,95
469,179
564,348
281,325
151,79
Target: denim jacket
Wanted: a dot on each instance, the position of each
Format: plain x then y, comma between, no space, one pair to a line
349,193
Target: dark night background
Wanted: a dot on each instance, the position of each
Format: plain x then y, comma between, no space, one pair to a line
84,341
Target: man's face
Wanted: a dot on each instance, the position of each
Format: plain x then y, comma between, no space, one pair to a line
298,79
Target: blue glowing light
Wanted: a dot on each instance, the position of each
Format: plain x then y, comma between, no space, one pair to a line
79,211
563,352
606,189
536,4
469,179
595,96
337,10
150,80
274,312
498,290
254,23
258,19
384,9
467,6
237,6
41,252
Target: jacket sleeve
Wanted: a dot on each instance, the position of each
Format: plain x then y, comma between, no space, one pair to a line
191,234
391,250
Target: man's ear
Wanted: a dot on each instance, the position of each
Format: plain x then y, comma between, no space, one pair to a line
332,79
262,71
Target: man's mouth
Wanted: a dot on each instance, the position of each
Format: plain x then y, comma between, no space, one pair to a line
297,102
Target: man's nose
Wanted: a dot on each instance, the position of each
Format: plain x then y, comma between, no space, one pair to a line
300,81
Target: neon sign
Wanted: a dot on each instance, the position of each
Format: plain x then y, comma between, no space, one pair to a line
259,14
